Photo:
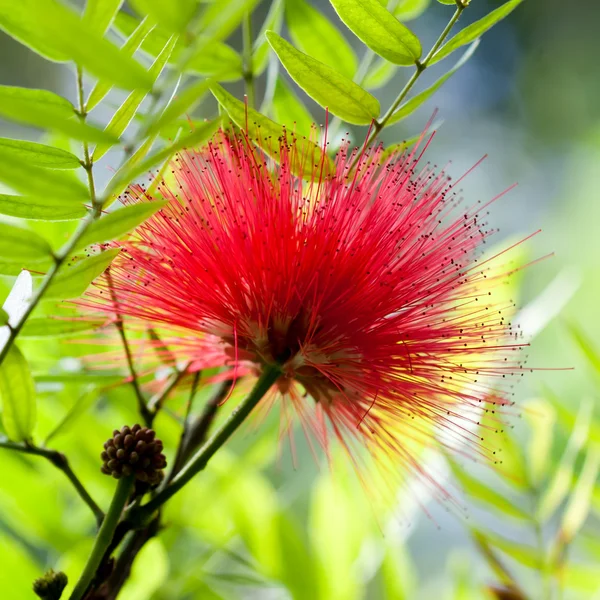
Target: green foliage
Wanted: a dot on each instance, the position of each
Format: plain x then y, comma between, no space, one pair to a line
39,155
45,209
56,32
325,85
379,30
17,396
475,30
17,243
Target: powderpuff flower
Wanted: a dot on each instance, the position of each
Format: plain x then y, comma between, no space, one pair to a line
362,281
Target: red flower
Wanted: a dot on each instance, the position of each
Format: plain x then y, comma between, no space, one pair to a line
365,288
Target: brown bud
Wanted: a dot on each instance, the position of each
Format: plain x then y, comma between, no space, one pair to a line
134,451
51,585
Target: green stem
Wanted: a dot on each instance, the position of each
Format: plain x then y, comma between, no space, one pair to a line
60,461
420,67
248,70
104,537
135,384
199,461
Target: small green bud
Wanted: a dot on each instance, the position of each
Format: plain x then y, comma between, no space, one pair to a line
51,585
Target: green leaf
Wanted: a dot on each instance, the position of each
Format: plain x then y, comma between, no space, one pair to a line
316,36
35,181
379,74
40,155
212,58
42,327
273,22
125,113
411,9
17,393
174,15
221,18
137,35
324,85
185,101
398,573
43,209
4,317
483,493
58,33
289,111
99,14
585,345
423,96
541,417
47,110
579,505
558,488
475,30
74,279
526,555
17,243
379,30
119,222
132,170
447,2
265,133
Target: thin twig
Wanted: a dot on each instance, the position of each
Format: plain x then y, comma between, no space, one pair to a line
135,384
194,436
61,462
420,66
157,401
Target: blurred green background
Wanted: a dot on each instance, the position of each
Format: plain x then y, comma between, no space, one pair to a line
253,526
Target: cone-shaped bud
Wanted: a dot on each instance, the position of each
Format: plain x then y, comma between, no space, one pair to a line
51,585
134,451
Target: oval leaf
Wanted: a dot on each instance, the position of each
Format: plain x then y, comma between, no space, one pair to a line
39,182
58,33
316,36
42,209
261,129
40,155
475,30
379,30
17,393
119,222
324,85
74,279
49,111
414,103
17,243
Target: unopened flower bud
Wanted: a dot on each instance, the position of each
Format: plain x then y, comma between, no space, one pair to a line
51,585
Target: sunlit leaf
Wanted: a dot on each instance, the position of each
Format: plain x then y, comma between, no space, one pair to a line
119,222
585,345
379,30
266,133
316,36
406,10
485,494
34,181
541,417
55,31
289,111
40,155
398,573
579,504
125,113
475,30
47,110
74,279
379,74
4,317
560,484
43,209
326,86
17,243
526,555
174,15
221,18
183,103
423,96
41,327
17,394
99,14
135,38
273,22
